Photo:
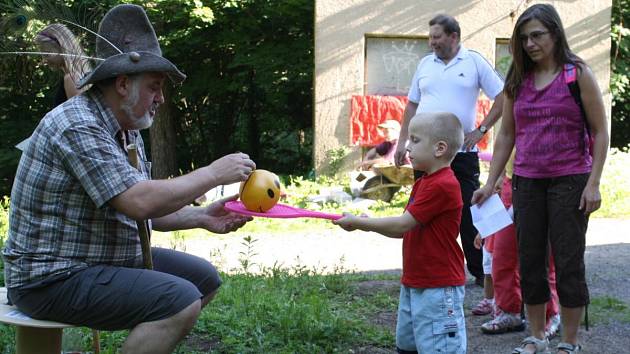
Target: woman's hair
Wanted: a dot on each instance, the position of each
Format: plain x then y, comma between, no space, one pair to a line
63,40
521,62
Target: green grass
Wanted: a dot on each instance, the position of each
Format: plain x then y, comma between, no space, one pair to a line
280,311
604,310
288,311
300,310
615,186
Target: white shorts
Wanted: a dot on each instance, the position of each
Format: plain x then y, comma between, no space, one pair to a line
487,261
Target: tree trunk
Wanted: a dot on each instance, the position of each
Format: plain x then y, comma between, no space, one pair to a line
163,139
253,128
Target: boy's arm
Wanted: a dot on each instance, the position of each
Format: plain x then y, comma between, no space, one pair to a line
394,226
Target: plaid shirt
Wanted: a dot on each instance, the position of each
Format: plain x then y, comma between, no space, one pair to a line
59,217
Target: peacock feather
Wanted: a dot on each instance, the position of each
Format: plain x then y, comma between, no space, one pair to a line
21,20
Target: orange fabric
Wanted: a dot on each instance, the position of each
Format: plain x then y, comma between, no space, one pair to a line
367,112
483,107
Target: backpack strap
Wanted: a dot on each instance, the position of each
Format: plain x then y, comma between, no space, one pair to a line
570,77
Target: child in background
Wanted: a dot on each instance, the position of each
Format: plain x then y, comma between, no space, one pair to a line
485,306
430,311
73,64
506,277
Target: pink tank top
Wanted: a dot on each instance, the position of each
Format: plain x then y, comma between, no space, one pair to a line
551,138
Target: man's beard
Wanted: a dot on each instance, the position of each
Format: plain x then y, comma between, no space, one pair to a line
139,123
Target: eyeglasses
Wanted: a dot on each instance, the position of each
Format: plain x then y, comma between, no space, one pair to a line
535,36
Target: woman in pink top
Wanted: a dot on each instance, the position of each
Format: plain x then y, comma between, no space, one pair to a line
556,176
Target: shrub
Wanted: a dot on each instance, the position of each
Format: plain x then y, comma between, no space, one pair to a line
4,229
615,186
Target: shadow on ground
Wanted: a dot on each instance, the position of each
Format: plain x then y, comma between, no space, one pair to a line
608,275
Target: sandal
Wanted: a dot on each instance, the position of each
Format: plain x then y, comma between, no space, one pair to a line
569,348
484,307
503,323
540,344
553,327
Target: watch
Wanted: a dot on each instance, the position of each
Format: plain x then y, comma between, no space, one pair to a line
482,129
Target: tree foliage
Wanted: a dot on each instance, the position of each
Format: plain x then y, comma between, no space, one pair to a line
249,87
620,69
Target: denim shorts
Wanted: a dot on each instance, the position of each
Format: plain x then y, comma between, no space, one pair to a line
431,320
546,212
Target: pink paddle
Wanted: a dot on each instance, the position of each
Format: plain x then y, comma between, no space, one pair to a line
280,211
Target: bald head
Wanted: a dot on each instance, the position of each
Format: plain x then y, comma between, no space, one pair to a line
440,126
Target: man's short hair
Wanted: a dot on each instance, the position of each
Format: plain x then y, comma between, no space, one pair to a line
448,23
110,81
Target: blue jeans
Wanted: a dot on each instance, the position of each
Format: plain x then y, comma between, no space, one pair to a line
431,320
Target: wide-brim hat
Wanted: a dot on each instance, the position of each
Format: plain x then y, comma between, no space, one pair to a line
127,42
390,124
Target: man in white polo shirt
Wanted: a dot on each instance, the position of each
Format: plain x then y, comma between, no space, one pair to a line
449,80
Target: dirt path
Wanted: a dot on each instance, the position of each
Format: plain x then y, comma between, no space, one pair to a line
607,265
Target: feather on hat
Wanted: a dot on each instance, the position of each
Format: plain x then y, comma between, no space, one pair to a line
129,45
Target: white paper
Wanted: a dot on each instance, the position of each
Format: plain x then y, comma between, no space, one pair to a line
490,217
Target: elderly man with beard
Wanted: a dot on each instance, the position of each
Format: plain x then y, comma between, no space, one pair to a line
73,253
449,80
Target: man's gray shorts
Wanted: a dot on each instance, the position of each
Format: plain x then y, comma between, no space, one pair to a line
115,298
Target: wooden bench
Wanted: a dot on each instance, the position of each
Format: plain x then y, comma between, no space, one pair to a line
32,336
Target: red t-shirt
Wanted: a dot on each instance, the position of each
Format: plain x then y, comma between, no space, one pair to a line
432,258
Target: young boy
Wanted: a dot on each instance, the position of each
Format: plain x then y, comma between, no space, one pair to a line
430,312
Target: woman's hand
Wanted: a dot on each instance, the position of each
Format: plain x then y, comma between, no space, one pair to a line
591,199
481,194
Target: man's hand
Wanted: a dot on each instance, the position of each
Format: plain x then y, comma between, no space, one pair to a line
591,199
471,139
232,168
401,153
220,221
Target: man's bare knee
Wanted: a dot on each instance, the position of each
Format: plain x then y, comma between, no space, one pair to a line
190,315
170,331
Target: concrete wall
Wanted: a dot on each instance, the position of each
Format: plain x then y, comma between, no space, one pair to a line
341,26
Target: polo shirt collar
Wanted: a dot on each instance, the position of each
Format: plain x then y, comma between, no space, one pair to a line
462,54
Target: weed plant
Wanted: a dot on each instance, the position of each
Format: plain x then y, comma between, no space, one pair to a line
276,310
301,310
615,186
606,309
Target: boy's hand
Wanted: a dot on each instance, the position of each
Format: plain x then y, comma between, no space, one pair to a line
346,222
477,242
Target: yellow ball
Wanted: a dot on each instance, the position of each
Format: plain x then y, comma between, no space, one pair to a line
261,191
